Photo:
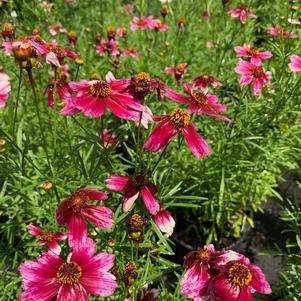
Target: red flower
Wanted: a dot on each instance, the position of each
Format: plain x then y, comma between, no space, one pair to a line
74,211
203,81
69,280
132,188
47,238
254,53
242,12
178,71
199,102
171,125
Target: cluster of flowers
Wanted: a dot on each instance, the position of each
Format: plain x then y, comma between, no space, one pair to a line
221,275
148,23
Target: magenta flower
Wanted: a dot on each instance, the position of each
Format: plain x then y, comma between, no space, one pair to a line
295,64
242,12
142,23
165,221
203,81
199,102
132,52
237,280
198,263
57,28
74,211
178,121
279,31
253,73
93,98
132,187
157,25
108,47
47,238
178,71
4,88
54,54
254,53
69,280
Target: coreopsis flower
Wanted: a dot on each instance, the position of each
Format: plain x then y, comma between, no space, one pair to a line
22,49
53,53
74,211
198,264
178,71
111,33
142,23
7,31
205,15
165,221
295,64
199,102
135,228
108,139
279,31
204,81
95,96
178,121
157,25
47,238
252,73
242,12
132,187
142,84
237,280
132,52
4,88
253,53
54,29
130,274
72,38
108,47
122,32
50,276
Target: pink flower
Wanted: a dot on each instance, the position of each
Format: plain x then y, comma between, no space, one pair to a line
47,238
165,222
108,47
95,96
198,263
157,25
128,8
57,28
70,280
295,64
130,52
54,54
63,71
237,280
279,31
199,102
142,23
4,88
253,73
178,71
132,187
178,121
74,211
242,12
253,53
203,81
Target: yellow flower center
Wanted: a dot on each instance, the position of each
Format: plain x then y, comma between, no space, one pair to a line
204,256
200,98
78,201
72,34
257,71
143,79
179,118
252,51
58,51
47,235
180,68
100,89
69,273
7,27
239,274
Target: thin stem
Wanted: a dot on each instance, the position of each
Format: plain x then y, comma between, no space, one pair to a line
17,103
160,158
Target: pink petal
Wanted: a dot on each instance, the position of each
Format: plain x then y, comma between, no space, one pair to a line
94,194
116,183
52,59
130,196
149,200
165,222
77,230
33,230
259,282
100,216
54,247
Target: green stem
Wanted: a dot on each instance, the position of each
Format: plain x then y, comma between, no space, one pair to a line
17,103
160,158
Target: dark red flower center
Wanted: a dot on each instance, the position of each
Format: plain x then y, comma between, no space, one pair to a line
100,89
179,118
252,51
58,51
257,71
239,274
143,79
200,98
243,7
139,182
69,273
204,256
47,236
78,202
